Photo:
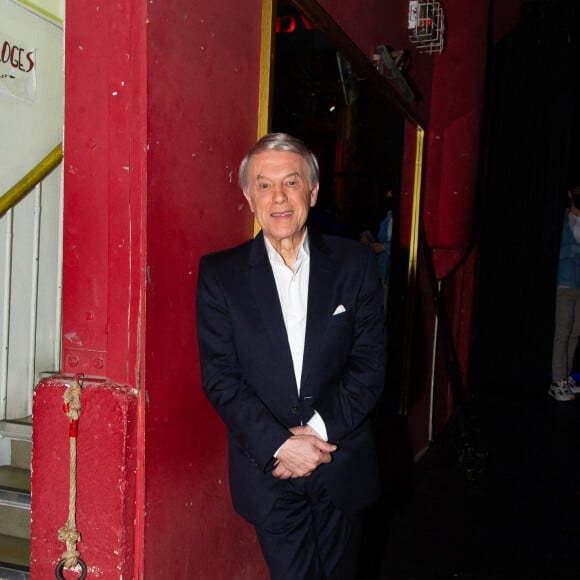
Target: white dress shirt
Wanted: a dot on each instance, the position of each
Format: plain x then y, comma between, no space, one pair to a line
292,289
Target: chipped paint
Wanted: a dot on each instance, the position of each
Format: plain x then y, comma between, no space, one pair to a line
74,338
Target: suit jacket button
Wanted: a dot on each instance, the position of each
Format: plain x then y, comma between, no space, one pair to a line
294,409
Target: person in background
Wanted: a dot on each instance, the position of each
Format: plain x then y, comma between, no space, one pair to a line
567,321
292,349
381,245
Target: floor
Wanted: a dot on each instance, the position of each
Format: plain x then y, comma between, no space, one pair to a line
516,516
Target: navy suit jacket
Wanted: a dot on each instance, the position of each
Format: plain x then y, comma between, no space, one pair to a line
248,376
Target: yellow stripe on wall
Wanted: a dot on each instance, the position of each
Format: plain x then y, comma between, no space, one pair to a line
52,10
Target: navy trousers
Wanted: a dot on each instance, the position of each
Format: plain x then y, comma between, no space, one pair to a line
306,537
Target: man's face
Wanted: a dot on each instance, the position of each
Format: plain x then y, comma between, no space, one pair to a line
279,194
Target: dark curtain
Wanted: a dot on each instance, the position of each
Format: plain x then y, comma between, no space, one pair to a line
532,126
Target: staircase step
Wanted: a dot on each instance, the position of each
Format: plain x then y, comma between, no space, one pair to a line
15,521
14,558
15,502
21,454
17,429
14,487
15,478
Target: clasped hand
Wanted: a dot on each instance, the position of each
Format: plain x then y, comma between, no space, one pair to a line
302,453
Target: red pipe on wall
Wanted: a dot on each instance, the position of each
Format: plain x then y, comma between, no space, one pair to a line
453,144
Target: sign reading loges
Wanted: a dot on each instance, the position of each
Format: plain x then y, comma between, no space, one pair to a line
17,69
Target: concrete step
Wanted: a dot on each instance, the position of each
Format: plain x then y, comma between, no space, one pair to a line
10,573
21,454
15,521
19,429
14,487
15,501
14,558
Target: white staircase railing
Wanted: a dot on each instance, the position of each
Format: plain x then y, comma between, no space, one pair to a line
30,293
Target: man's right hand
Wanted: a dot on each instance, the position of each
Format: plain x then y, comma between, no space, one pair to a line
300,455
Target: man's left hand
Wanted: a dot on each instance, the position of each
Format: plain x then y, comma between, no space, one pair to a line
302,453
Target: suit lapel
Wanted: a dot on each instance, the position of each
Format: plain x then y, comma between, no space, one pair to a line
263,287
322,266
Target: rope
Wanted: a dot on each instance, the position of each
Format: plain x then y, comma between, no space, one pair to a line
69,533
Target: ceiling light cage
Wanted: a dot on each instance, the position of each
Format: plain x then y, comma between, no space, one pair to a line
427,23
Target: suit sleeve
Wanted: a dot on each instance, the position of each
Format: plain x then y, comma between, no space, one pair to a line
349,402
247,418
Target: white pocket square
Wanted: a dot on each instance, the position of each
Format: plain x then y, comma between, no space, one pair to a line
339,310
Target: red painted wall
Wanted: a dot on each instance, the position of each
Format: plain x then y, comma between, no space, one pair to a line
104,187
203,70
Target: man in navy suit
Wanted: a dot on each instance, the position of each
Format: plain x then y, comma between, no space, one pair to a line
292,348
